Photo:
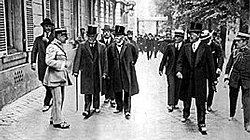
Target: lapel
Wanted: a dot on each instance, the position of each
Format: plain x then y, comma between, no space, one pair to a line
88,48
173,49
124,47
200,51
98,50
188,50
43,44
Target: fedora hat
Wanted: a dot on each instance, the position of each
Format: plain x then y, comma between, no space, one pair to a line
107,27
195,27
92,30
119,30
47,21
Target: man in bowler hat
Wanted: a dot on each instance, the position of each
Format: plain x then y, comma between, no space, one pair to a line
194,65
122,58
168,61
107,39
38,55
238,67
91,60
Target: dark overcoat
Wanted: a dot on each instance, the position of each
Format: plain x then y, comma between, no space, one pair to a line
169,59
38,54
128,57
240,70
106,82
86,63
202,68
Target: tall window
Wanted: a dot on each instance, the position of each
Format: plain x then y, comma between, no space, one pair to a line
14,25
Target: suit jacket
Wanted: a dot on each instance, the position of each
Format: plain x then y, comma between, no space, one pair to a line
217,55
195,75
122,68
91,78
56,73
239,70
38,54
106,44
169,59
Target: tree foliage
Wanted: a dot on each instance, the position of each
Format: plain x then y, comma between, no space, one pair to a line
218,11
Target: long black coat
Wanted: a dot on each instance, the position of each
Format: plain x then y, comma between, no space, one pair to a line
38,53
240,70
91,79
217,55
202,68
128,57
169,58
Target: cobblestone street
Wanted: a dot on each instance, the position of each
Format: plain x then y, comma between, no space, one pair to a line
150,120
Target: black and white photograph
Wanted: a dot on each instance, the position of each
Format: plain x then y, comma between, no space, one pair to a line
124,69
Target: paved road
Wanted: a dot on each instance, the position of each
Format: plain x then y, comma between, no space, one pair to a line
150,120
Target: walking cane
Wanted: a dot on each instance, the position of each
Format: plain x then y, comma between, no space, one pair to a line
76,93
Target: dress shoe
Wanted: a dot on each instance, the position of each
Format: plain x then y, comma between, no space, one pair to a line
203,129
112,103
170,109
184,120
46,108
85,113
209,109
127,115
97,110
231,119
176,107
106,101
248,128
117,111
62,125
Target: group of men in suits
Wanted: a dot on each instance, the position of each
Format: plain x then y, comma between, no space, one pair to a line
108,67
189,64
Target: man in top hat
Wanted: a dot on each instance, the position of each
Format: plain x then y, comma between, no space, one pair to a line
38,52
168,61
107,39
122,58
56,76
91,60
194,66
216,50
238,66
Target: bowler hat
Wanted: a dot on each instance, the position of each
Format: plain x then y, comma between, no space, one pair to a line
195,27
60,31
119,30
179,33
47,21
107,28
92,30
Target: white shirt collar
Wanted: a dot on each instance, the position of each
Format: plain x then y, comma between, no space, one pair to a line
196,44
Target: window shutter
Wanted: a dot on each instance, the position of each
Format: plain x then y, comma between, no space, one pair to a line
3,44
62,13
47,8
29,26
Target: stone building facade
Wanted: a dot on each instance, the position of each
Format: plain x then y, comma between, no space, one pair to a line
20,24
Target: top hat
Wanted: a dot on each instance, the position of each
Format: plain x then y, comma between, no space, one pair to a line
92,30
119,30
129,32
195,27
179,33
244,36
107,28
47,21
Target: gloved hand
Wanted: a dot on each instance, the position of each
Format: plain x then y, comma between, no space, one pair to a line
179,75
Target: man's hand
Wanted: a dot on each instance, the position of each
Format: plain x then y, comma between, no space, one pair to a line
226,80
75,74
104,76
218,71
33,66
214,86
160,73
179,75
